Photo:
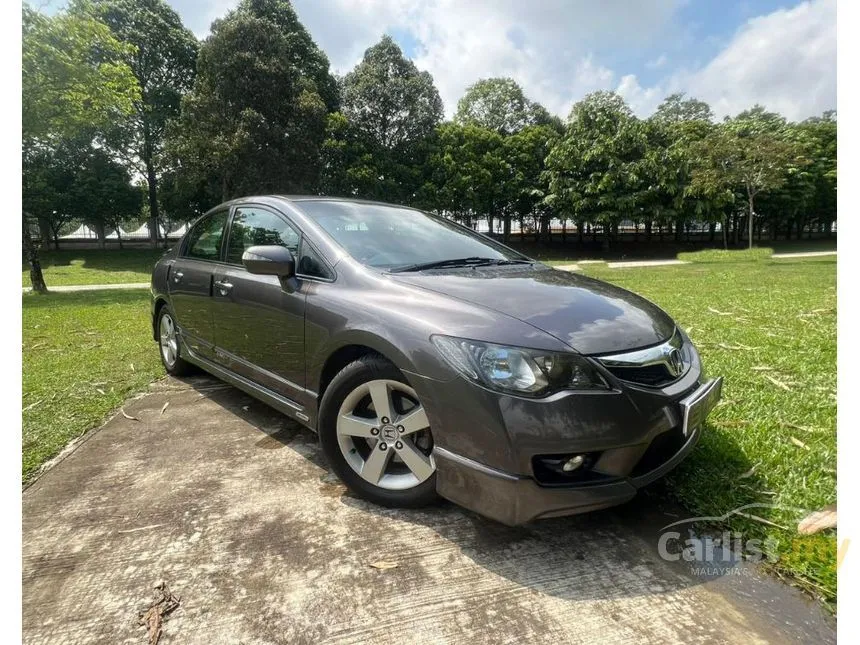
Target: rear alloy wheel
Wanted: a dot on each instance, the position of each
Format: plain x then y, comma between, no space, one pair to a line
376,435
168,345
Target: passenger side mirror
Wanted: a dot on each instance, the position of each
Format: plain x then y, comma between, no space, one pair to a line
269,260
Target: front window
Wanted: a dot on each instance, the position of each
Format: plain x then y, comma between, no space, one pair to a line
390,237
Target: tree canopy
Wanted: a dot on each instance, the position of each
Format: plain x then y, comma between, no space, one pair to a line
118,94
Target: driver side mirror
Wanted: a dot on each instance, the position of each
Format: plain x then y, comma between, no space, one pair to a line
269,260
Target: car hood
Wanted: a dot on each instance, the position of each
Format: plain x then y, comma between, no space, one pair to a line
591,316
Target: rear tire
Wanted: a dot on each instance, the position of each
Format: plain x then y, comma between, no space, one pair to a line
376,437
169,345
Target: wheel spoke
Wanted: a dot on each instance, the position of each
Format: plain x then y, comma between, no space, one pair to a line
374,467
415,460
414,421
354,426
381,398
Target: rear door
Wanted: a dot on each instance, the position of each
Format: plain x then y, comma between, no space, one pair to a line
259,323
190,282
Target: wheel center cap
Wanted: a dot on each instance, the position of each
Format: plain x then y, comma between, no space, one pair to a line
388,432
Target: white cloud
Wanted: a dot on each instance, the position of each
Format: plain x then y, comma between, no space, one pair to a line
546,47
785,61
657,63
557,49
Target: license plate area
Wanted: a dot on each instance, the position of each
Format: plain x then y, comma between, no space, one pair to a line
695,408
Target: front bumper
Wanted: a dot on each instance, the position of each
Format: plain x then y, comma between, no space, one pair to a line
489,448
512,499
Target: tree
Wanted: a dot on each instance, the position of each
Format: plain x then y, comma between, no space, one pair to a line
102,194
467,173
377,146
162,60
388,100
525,153
750,152
594,170
675,108
256,118
499,104
74,80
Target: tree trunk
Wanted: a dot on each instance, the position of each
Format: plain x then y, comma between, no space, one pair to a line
45,230
37,280
712,232
100,233
725,233
490,224
119,237
152,183
750,224
648,227
506,234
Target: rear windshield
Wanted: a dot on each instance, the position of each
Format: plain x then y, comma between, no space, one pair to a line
389,236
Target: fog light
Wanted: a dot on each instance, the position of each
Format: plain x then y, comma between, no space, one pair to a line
573,463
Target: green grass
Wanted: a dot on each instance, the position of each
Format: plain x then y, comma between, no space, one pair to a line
83,355
94,266
769,328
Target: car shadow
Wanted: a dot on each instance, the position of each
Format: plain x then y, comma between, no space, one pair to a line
598,555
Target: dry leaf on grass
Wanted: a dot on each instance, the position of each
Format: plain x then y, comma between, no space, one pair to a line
762,368
750,472
384,564
164,407
100,391
132,366
804,428
128,416
816,521
797,442
777,382
720,313
750,516
155,615
32,405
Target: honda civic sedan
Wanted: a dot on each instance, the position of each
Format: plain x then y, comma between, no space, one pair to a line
430,359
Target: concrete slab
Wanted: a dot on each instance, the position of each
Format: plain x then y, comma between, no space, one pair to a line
95,287
807,254
231,505
644,263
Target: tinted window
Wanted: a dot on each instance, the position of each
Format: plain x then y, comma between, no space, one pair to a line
389,236
254,227
204,240
311,264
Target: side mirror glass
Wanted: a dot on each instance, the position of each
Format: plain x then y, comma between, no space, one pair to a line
269,260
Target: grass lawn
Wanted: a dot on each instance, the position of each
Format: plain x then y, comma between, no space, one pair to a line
84,353
768,326
94,266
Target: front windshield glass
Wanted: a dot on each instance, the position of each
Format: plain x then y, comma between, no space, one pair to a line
391,237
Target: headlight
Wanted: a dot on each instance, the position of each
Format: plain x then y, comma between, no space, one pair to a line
527,372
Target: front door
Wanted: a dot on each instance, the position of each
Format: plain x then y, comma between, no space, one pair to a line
190,283
260,325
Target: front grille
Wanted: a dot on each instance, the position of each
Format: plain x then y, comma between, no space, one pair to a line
653,375
653,366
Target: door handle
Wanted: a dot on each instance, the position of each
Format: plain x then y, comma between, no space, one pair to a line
178,276
223,287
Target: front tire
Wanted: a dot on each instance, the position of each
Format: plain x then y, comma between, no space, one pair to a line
376,436
169,345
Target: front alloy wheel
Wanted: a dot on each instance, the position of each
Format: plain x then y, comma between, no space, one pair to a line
376,435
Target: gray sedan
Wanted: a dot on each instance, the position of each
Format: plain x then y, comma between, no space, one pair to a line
432,360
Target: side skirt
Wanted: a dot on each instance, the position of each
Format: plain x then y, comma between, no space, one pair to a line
280,403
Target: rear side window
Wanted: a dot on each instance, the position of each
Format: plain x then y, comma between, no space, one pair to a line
254,227
204,240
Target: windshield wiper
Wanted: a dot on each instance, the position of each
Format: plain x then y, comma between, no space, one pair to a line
456,262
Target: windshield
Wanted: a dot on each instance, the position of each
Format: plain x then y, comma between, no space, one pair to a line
390,237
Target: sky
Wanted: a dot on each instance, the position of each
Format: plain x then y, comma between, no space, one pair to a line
730,53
